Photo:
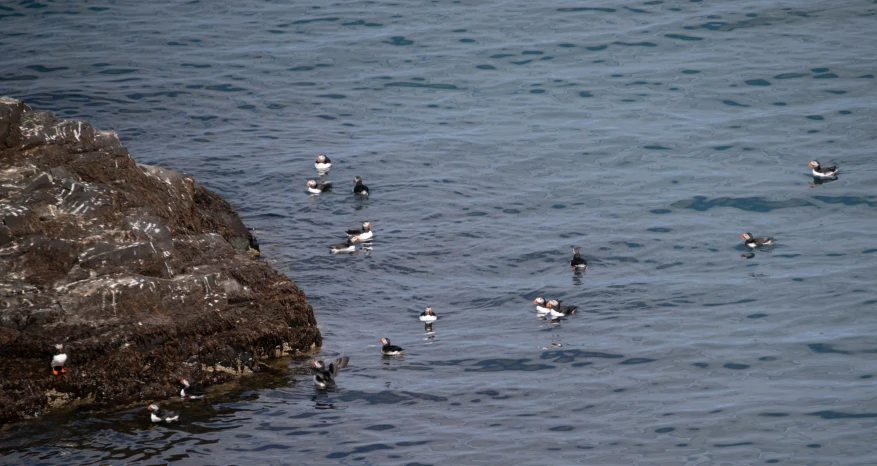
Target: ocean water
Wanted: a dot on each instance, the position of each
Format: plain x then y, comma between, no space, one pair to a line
495,136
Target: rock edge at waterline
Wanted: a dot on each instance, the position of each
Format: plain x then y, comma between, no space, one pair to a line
144,276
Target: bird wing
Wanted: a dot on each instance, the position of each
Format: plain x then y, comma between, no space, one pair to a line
338,364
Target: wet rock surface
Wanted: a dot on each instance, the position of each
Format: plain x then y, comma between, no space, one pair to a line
144,275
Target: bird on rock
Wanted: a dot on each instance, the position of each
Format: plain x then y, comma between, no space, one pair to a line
59,359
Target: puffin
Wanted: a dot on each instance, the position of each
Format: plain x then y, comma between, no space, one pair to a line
318,187
753,242
191,392
822,172
323,164
541,309
390,350
324,377
347,246
363,234
58,360
157,414
428,316
359,188
577,263
556,310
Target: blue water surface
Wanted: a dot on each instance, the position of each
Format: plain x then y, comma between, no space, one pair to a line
495,136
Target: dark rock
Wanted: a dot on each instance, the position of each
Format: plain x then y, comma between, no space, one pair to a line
144,275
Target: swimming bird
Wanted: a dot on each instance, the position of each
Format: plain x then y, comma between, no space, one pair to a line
347,246
363,234
58,360
556,310
323,164
753,242
191,392
822,172
390,350
317,187
359,188
577,262
324,377
541,309
428,316
159,415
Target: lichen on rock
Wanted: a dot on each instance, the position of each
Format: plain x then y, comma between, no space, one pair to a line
144,275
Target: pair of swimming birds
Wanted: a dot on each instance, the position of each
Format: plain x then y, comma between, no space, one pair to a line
319,187
819,172
353,236
325,376
188,392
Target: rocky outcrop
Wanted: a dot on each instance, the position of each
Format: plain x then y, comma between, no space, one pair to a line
144,275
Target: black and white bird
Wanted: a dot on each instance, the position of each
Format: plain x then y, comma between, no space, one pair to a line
754,242
577,263
323,164
58,360
347,246
157,414
191,392
390,350
318,187
323,377
363,234
541,308
427,316
359,188
556,310
822,172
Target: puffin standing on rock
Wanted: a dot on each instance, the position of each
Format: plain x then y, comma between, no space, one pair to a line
191,392
58,360
390,350
822,172
754,242
157,414
359,188
323,377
